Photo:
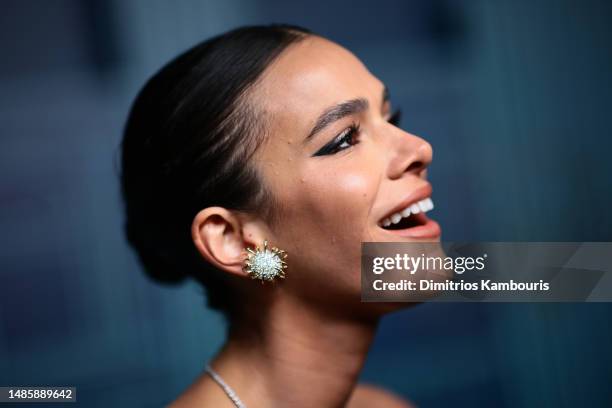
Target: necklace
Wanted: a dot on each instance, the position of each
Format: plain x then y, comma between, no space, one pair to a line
231,394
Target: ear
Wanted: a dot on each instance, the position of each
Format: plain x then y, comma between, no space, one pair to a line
221,237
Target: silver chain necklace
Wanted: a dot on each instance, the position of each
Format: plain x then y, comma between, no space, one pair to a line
231,394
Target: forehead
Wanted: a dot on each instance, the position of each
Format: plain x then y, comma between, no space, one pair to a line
309,77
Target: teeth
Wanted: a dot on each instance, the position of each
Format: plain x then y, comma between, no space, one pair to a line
422,206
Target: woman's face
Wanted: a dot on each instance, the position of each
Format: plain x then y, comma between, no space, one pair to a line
337,168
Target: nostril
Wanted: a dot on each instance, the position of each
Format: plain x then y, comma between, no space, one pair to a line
415,166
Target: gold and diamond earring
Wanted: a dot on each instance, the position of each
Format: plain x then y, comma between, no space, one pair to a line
265,263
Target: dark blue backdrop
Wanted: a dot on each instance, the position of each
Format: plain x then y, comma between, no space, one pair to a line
515,97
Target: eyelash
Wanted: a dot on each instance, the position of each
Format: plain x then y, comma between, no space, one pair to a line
349,133
396,118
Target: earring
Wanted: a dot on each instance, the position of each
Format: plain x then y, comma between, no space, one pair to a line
265,263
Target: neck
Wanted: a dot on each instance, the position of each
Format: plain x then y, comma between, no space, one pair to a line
296,356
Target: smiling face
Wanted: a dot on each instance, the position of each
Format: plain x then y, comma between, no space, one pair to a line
340,170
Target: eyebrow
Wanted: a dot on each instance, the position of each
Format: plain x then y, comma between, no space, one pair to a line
340,111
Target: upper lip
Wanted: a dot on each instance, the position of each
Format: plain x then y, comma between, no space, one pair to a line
414,196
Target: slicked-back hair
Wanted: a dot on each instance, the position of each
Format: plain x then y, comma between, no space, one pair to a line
189,137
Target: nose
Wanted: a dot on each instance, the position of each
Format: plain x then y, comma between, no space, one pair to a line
409,154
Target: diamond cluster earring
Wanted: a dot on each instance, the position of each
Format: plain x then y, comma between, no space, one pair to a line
265,263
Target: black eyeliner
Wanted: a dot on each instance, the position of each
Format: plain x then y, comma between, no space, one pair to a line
332,146
349,132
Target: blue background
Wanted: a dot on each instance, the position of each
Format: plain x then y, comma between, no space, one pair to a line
515,97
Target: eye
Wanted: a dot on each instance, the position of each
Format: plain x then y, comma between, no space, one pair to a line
344,140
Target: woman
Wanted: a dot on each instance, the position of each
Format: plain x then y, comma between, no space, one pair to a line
274,134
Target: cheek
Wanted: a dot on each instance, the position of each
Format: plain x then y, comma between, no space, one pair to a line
340,198
348,201
329,213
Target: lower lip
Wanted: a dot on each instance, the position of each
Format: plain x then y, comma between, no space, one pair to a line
429,229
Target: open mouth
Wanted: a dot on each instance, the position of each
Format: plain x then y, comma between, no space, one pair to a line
413,220
411,216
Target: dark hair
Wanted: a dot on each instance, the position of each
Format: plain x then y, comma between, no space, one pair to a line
186,146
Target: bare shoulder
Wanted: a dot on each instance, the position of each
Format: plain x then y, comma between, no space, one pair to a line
366,395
